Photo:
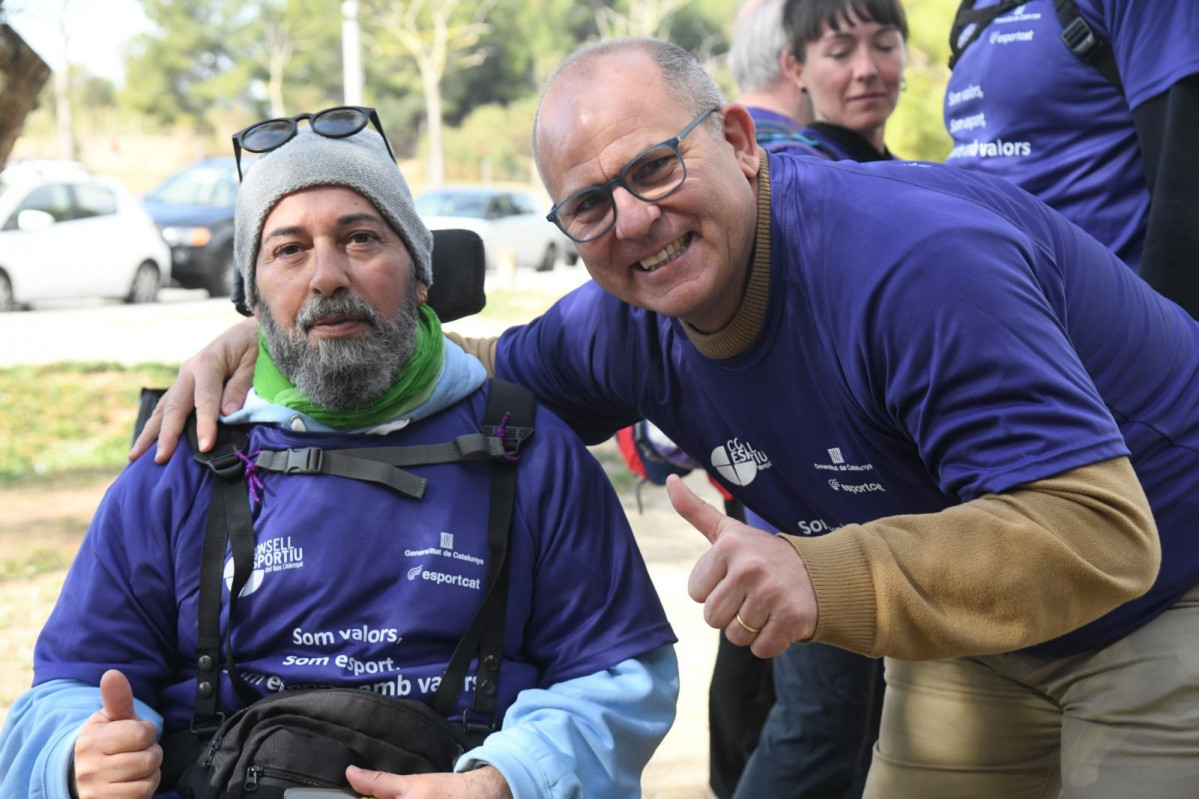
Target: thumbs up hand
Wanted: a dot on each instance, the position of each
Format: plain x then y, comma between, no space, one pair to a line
753,585
116,756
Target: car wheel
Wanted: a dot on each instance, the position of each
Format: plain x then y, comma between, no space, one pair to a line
7,302
220,281
549,259
145,284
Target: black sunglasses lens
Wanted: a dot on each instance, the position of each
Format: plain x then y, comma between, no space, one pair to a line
339,122
267,135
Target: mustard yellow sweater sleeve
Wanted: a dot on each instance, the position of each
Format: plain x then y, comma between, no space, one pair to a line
481,348
1001,572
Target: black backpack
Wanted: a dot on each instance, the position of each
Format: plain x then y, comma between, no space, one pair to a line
307,737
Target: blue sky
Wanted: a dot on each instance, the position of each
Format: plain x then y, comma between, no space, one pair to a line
97,31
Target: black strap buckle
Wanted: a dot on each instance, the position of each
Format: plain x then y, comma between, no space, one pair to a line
476,728
207,725
1079,37
225,461
513,438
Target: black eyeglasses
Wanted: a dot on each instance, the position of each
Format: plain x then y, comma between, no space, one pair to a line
653,175
332,123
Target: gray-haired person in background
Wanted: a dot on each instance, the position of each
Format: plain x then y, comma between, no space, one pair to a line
758,60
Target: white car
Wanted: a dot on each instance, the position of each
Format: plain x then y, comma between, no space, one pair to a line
506,220
65,233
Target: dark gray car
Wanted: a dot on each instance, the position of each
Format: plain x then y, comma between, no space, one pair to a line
194,210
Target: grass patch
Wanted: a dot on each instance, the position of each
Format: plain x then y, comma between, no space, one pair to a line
62,419
29,564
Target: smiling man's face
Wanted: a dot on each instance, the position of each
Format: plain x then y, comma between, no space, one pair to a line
339,299
686,255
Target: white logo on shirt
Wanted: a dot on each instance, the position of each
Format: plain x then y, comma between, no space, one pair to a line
739,462
442,578
855,488
1018,15
1007,38
272,555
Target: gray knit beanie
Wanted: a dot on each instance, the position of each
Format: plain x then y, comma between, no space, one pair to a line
359,162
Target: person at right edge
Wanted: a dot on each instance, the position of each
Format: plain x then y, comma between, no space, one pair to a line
1105,133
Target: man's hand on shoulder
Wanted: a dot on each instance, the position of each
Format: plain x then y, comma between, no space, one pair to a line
481,783
201,386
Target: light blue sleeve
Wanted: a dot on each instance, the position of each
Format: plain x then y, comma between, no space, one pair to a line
590,736
39,735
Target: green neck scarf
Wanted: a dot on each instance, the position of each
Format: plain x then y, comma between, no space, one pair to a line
412,387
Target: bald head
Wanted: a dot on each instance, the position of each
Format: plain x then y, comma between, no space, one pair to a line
601,75
682,253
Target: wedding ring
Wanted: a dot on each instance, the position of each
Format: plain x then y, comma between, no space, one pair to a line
746,627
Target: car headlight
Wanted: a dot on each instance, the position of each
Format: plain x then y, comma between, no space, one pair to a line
187,236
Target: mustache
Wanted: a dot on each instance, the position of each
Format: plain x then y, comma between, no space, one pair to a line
340,304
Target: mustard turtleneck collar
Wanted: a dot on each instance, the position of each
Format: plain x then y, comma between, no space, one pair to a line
735,337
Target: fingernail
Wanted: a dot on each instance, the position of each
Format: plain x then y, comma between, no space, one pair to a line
203,442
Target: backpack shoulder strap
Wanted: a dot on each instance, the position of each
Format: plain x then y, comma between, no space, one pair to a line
1080,38
229,521
509,416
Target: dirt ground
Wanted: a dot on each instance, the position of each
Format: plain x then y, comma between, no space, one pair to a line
44,525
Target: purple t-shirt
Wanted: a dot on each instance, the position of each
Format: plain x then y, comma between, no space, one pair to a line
353,585
1020,105
908,362
777,133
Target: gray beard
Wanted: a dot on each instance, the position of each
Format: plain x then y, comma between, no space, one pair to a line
343,374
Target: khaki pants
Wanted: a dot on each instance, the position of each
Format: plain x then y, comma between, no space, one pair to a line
1122,722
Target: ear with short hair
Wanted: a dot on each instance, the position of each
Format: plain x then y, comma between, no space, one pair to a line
787,63
792,69
739,132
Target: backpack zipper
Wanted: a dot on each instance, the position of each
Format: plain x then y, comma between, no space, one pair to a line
213,745
255,773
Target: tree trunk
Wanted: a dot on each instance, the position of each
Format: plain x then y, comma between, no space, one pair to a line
433,117
22,75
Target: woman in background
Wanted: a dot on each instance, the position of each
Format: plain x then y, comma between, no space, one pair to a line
848,56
